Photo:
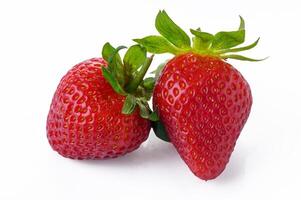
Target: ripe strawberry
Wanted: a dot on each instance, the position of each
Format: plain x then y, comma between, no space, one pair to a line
85,119
202,101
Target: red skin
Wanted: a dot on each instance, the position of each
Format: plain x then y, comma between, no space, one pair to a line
203,103
85,119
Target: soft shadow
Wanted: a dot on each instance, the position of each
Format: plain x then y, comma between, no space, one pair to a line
153,151
157,153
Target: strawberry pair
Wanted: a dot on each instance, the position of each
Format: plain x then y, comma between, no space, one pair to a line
201,103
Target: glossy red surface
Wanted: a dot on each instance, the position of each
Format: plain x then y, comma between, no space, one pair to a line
85,119
204,103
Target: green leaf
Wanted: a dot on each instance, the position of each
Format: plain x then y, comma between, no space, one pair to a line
113,81
115,66
129,104
202,40
239,57
149,83
157,44
144,111
109,52
172,32
154,117
115,54
242,23
240,48
134,58
225,40
138,77
196,42
160,131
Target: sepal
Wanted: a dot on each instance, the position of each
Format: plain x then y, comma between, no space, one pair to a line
129,104
171,31
157,44
175,41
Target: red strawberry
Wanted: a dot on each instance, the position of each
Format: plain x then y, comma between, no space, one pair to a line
202,101
85,119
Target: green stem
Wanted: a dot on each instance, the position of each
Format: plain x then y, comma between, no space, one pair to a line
197,44
135,82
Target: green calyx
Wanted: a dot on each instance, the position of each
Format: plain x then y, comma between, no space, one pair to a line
174,40
126,76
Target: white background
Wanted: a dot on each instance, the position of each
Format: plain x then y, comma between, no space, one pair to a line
40,41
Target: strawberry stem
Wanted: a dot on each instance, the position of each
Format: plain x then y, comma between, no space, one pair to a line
135,82
134,67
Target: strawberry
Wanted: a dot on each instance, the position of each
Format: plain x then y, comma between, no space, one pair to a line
202,101
93,114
